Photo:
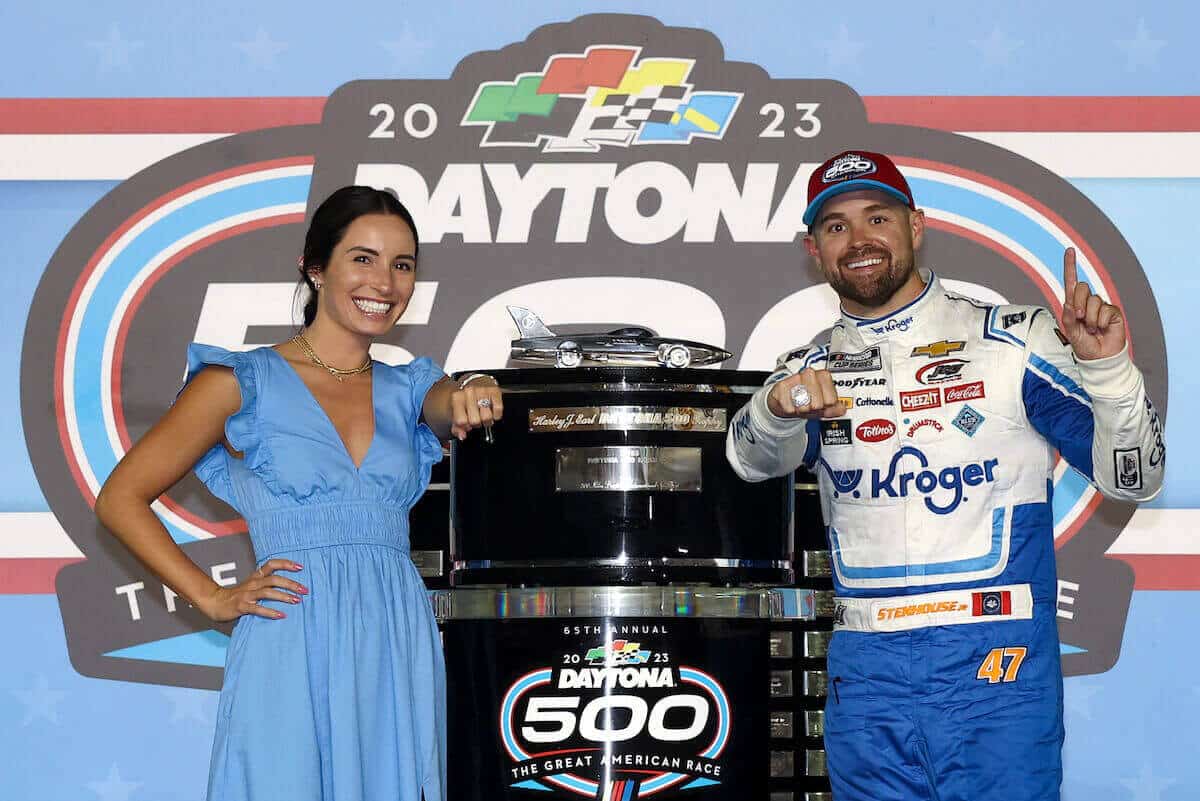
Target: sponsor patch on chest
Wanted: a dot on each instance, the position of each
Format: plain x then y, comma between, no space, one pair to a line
941,371
835,432
968,420
860,362
875,430
964,392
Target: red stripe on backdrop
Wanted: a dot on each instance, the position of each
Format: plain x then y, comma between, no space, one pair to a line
1151,572
30,576
1039,113
195,115
1163,571
198,115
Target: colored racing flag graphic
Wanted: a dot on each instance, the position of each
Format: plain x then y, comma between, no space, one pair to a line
618,652
606,96
618,790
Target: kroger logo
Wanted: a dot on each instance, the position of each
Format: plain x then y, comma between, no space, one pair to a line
926,482
894,324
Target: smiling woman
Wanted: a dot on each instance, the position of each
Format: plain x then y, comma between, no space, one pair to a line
324,452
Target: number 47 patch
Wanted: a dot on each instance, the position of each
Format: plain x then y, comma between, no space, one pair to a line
994,669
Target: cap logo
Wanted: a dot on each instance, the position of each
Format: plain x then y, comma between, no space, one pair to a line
851,166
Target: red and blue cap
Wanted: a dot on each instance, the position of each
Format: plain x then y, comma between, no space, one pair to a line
853,170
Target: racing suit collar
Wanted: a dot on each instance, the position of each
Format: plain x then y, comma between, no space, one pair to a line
901,320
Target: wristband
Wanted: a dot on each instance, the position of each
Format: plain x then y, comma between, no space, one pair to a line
467,379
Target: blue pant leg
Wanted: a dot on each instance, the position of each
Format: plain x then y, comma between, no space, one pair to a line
993,736
870,734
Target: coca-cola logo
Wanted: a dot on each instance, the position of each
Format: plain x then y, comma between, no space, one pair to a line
963,392
875,430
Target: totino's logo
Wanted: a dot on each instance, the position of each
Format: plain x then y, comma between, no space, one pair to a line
505,185
603,96
875,430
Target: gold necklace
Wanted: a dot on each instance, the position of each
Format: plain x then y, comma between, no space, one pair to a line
336,372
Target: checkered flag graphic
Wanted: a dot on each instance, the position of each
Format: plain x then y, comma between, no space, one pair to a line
630,111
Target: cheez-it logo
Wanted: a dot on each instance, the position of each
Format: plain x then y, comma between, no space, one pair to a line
921,399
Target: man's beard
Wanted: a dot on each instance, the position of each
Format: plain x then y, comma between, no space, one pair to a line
879,289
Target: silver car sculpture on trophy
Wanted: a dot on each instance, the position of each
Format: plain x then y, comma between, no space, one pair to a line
633,346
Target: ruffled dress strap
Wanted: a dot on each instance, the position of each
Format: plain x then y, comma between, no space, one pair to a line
423,375
243,428
409,384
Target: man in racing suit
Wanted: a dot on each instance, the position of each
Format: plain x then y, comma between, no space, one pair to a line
932,421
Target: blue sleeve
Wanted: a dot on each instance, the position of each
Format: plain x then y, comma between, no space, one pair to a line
1055,402
243,429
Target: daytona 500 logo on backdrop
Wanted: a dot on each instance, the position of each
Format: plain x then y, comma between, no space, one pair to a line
606,171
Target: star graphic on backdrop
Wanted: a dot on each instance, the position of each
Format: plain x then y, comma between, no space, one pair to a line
408,48
842,51
262,50
189,704
1078,699
113,788
997,49
1147,786
1141,50
115,50
40,701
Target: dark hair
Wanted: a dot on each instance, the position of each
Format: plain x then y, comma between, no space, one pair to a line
329,224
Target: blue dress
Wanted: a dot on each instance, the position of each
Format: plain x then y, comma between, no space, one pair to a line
345,697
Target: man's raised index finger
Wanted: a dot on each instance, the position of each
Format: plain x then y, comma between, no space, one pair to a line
1070,278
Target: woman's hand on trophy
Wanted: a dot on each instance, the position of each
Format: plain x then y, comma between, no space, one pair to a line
476,404
810,393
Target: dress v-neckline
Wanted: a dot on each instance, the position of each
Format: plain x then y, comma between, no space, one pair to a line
329,420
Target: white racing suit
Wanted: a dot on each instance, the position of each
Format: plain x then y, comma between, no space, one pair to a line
944,673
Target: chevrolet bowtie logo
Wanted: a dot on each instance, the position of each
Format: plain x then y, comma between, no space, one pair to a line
936,350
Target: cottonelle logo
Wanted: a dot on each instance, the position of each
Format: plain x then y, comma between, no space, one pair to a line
583,211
